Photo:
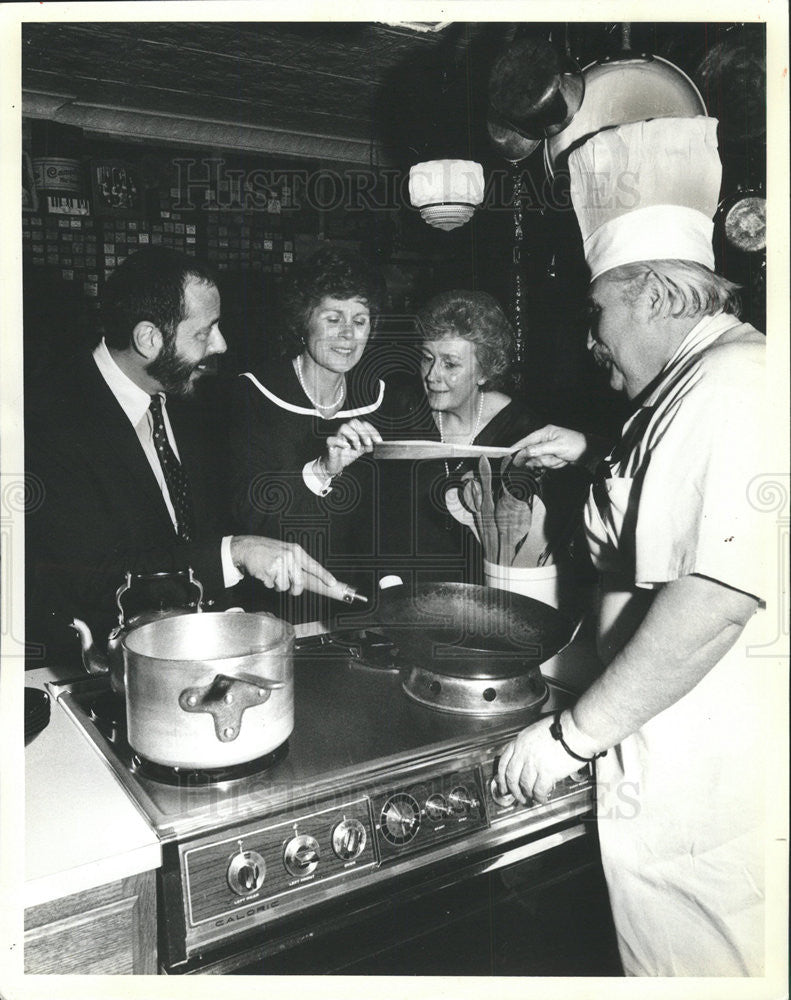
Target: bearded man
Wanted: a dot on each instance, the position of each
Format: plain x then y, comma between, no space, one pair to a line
121,464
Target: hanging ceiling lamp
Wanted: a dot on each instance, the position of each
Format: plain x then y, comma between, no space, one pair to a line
447,192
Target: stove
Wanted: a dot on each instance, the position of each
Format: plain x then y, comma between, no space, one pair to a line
373,795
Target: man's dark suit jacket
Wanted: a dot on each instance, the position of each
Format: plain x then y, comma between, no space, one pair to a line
96,510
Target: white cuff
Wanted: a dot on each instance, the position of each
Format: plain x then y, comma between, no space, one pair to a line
230,574
315,481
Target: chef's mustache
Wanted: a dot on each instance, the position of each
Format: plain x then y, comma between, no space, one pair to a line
601,356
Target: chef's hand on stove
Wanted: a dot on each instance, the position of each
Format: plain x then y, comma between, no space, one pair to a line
551,447
279,565
531,764
351,440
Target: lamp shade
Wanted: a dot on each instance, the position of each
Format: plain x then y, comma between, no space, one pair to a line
446,192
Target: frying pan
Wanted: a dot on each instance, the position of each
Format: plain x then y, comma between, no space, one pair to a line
465,630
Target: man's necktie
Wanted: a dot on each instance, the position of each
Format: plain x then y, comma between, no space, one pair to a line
175,476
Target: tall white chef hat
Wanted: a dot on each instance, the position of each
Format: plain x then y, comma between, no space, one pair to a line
647,191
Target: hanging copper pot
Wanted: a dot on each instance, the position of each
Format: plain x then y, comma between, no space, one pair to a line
534,92
732,75
508,142
741,218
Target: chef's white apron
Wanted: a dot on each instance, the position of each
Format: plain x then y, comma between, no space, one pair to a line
680,803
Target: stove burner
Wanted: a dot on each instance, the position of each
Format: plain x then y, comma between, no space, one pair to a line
481,696
186,777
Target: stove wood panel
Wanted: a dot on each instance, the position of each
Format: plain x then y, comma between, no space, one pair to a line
208,895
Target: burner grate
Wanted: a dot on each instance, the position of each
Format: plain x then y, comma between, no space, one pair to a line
187,777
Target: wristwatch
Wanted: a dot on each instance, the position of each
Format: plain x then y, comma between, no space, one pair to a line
556,732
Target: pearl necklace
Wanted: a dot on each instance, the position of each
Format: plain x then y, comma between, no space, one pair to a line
329,406
471,438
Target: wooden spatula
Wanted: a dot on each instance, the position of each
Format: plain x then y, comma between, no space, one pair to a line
488,526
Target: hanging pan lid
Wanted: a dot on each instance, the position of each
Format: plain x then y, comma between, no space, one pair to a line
630,88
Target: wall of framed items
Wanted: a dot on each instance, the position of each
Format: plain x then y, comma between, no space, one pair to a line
91,209
90,201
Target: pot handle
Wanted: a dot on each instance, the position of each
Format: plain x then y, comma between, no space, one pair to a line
127,585
226,699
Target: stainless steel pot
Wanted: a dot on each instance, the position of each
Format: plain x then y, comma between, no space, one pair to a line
210,690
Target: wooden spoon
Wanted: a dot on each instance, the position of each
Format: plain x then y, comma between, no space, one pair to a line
488,527
512,518
534,545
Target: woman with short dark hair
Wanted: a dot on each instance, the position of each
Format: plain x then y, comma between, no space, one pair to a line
296,424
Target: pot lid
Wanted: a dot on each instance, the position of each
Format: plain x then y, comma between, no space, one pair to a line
630,88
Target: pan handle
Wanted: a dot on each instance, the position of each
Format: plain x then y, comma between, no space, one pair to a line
226,699
354,643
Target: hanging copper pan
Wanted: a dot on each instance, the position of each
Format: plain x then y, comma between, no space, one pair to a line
534,92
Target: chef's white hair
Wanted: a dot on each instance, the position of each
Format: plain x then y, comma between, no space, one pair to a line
688,289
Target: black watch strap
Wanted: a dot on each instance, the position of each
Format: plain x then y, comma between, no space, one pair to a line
556,732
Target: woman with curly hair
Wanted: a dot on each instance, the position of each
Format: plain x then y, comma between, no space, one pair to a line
295,425
466,350
466,355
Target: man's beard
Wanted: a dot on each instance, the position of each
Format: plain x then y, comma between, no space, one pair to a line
172,372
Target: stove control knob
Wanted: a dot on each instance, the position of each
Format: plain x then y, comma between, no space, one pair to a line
461,801
301,856
502,800
437,808
348,839
246,872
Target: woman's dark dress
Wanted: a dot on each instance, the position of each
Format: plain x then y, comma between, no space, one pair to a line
381,517
274,430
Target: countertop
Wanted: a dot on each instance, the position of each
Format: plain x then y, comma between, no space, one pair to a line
81,828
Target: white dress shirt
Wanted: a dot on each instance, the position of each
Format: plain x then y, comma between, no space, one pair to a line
135,403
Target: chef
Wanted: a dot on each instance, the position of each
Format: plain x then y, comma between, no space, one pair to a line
676,723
